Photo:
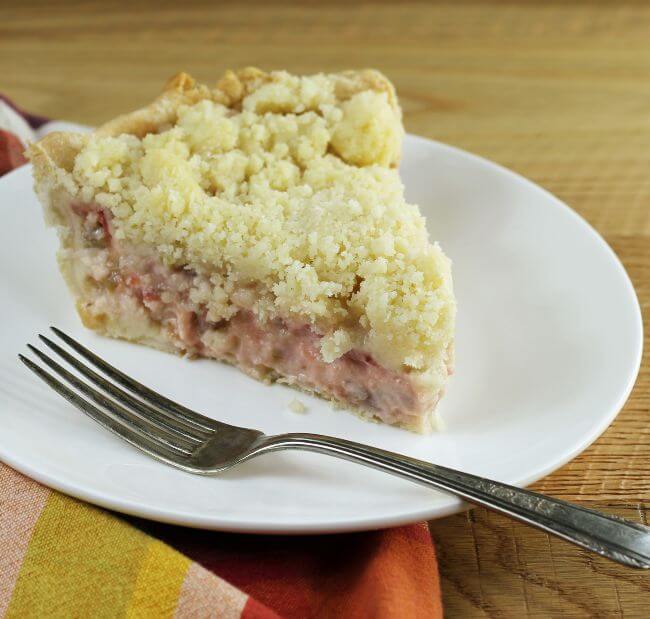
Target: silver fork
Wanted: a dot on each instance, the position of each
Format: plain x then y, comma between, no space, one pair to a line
197,444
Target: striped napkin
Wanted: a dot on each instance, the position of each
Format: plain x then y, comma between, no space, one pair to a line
60,557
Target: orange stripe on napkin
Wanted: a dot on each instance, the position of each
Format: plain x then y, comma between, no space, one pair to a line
398,579
380,574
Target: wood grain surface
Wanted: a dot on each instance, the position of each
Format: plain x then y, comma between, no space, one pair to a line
559,92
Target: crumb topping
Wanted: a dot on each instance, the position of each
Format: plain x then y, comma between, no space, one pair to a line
297,406
289,190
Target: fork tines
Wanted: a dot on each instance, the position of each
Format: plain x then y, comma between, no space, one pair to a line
139,415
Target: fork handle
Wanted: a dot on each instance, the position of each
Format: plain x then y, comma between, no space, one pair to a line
612,537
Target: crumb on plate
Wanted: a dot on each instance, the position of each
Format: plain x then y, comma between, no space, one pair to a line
296,406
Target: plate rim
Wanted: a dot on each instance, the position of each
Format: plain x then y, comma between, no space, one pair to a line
453,505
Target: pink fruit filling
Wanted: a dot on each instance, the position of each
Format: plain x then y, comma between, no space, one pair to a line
277,349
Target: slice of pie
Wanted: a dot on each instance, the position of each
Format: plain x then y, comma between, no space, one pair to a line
262,223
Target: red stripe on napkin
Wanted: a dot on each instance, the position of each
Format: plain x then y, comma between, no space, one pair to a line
11,152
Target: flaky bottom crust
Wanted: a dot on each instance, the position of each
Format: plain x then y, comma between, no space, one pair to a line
147,332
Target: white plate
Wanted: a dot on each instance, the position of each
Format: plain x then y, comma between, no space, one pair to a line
549,342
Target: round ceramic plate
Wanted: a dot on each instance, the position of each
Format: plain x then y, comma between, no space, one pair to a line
548,345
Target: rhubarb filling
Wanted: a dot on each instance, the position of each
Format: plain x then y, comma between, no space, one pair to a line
121,282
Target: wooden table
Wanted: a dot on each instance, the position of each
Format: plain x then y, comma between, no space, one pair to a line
558,93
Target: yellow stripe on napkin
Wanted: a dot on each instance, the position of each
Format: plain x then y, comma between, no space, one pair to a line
158,582
81,561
